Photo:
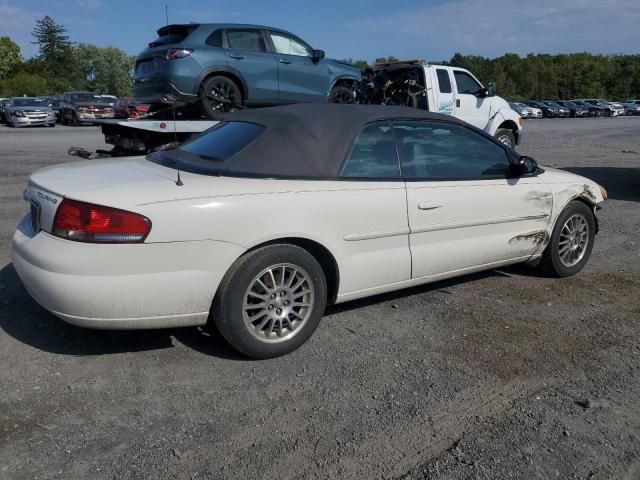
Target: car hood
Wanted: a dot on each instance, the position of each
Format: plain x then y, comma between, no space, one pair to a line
92,104
30,109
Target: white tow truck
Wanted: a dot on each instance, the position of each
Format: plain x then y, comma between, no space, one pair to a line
451,91
414,83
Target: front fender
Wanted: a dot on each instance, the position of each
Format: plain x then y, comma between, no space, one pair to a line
504,118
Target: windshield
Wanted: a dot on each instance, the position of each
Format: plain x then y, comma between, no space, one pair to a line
30,102
209,152
87,97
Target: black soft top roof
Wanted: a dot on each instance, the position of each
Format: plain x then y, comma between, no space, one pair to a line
309,140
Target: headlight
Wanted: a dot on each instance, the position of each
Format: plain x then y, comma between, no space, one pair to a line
603,192
19,113
50,112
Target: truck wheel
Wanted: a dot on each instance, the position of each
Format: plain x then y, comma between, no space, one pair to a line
340,94
219,94
506,136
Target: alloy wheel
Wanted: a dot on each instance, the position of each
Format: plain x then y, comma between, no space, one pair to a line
278,303
222,97
574,238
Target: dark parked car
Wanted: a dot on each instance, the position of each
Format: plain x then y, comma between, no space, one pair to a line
54,103
603,109
563,112
575,110
223,66
4,105
82,107
594,111
547,110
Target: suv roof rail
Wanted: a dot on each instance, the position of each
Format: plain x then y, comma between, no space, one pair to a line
401,62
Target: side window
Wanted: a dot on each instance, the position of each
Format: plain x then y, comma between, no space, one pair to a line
465,82
373,154
246,40
215,39
289,46
444,151
444,82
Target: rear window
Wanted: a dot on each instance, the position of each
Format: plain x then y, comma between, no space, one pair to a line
172,34
208,153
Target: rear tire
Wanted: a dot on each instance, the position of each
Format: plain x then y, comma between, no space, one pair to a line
506,136
270,301
341,94
566,255
219,94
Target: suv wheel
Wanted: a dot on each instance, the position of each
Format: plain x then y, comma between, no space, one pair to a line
219,94
340,94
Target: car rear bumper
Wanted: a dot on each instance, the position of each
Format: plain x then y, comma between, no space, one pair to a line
127,286
160,91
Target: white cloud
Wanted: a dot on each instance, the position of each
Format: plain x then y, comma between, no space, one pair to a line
493,27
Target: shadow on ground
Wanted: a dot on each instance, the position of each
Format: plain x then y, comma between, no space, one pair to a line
24,320
621,183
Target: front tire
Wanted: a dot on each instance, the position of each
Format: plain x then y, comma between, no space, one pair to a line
270,301
341,94
571,242
506,136
219,94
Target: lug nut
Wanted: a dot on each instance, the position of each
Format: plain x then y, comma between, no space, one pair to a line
270,307
282,294
279,311
286,302
273,295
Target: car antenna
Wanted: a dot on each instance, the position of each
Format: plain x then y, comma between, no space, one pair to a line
175,139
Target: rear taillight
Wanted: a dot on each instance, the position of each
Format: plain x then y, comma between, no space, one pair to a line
85,222
175,53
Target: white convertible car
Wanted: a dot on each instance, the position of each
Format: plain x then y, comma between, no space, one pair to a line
259,222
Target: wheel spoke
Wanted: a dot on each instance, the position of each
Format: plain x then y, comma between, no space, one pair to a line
301,293
273,280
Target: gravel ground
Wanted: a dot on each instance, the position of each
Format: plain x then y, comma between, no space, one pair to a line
501,375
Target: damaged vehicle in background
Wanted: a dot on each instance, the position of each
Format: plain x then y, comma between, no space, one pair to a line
525,111
441,89
83,107
221,67
377,198
29,112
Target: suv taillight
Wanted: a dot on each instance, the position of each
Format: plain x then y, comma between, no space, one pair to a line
175,53
85,222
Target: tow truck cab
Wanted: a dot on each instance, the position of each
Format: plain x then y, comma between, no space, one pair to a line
455,91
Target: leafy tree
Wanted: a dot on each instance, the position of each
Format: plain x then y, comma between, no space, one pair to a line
10,57
25,84
103,70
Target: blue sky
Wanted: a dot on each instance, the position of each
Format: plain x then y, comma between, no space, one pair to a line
429,29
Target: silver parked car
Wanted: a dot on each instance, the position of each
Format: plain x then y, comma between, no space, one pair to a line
29,111
526,111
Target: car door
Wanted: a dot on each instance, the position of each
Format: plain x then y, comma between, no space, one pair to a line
468,107
371,213
300,78
247,54
464,208
445,101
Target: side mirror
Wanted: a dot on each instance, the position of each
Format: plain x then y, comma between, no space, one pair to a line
317,55
525,165
491,90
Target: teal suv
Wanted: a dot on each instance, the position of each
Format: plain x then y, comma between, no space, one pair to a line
223,66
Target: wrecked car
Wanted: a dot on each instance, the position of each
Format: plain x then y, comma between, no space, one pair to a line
441,89
247,230
83,107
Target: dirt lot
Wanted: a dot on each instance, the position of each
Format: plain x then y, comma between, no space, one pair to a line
505,374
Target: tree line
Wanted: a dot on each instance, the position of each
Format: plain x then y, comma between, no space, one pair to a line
62,65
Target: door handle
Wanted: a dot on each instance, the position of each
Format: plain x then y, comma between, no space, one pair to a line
286,62
428,206
457,102
236,56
